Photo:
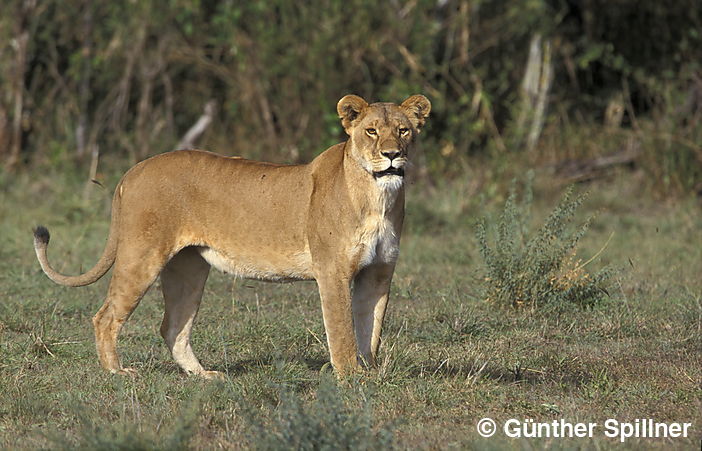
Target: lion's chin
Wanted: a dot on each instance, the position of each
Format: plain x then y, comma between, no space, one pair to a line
390,183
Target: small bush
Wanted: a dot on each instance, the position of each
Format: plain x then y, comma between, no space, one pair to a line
541,270
328,423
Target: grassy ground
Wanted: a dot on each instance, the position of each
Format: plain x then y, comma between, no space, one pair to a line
448,359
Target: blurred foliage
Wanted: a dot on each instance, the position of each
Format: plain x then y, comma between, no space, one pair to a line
127,433
129,78
331,421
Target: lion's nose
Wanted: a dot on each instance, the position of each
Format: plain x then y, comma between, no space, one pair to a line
391,154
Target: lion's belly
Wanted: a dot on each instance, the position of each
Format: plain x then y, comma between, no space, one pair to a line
294,267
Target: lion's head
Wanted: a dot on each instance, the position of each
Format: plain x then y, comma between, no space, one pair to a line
381,134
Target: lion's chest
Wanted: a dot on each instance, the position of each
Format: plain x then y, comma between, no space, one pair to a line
377,241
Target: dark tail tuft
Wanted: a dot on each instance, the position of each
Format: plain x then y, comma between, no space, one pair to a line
41,234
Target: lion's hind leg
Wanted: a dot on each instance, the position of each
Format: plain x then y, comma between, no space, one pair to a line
182,282
131,278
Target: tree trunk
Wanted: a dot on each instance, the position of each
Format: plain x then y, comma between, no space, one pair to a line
84,88
193,134
22,40
536,84
4,135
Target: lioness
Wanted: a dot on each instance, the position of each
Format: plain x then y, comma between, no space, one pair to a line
335,220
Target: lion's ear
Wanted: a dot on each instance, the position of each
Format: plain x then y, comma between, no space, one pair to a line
349,108
417,108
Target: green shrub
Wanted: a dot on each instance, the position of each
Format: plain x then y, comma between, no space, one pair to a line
327,423
541,270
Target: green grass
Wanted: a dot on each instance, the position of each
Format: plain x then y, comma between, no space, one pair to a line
448,359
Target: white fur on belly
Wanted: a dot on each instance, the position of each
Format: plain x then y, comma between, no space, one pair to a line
296,268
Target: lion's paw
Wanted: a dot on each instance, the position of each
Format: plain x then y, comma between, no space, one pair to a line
211,375
131,372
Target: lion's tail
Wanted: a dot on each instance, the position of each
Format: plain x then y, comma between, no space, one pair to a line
41,242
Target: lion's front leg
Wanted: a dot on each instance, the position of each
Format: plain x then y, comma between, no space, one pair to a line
335,294
370,298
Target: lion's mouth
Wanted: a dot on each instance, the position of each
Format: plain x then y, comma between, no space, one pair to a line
389,171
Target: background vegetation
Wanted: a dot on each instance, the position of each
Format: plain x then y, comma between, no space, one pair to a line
607,95
581,79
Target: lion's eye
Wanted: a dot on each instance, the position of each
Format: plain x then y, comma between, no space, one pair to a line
404,131
371,132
